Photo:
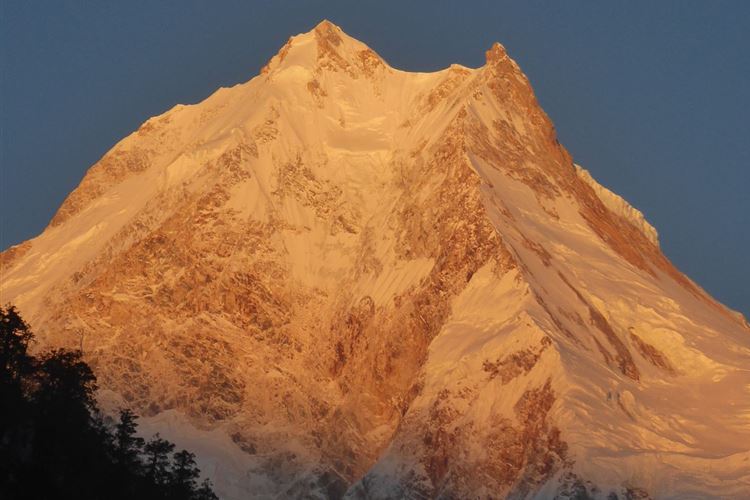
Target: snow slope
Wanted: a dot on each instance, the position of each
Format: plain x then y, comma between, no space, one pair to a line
342,279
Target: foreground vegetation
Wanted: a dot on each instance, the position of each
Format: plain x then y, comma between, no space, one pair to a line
54,443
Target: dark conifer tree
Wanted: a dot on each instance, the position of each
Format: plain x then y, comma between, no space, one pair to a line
15,365
128,447
205,491
185,474
157,452
54,443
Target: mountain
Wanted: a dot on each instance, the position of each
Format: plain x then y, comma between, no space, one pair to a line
340,279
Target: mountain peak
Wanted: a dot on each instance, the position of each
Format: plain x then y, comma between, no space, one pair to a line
340,277
325,47
329,30
496,53
498,60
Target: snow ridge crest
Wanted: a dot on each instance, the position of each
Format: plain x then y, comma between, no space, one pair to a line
618,205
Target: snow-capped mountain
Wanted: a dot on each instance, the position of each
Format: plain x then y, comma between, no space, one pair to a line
340,279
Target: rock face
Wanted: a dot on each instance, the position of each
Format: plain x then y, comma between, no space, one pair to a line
342,279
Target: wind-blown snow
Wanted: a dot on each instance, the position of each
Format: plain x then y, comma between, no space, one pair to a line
619,206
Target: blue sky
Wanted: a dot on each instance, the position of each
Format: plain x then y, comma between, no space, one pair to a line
652,97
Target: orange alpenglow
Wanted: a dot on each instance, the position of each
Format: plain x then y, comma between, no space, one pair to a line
345,279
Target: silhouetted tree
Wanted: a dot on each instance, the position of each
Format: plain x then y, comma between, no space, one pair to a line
54,443
128,446
157,452
205,491
15,365
65,386
185,474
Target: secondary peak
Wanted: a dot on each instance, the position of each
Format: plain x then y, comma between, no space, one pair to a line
496,54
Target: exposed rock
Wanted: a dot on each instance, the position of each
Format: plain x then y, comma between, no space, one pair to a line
341,279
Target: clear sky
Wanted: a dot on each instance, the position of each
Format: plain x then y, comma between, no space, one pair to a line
652,97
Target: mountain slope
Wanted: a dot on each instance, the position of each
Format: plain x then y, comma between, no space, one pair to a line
344,279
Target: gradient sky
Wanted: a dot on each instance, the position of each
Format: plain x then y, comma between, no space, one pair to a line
652,97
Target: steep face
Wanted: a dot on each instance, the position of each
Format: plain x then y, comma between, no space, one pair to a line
344,279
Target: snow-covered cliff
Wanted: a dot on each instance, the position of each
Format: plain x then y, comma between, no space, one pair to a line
342,279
